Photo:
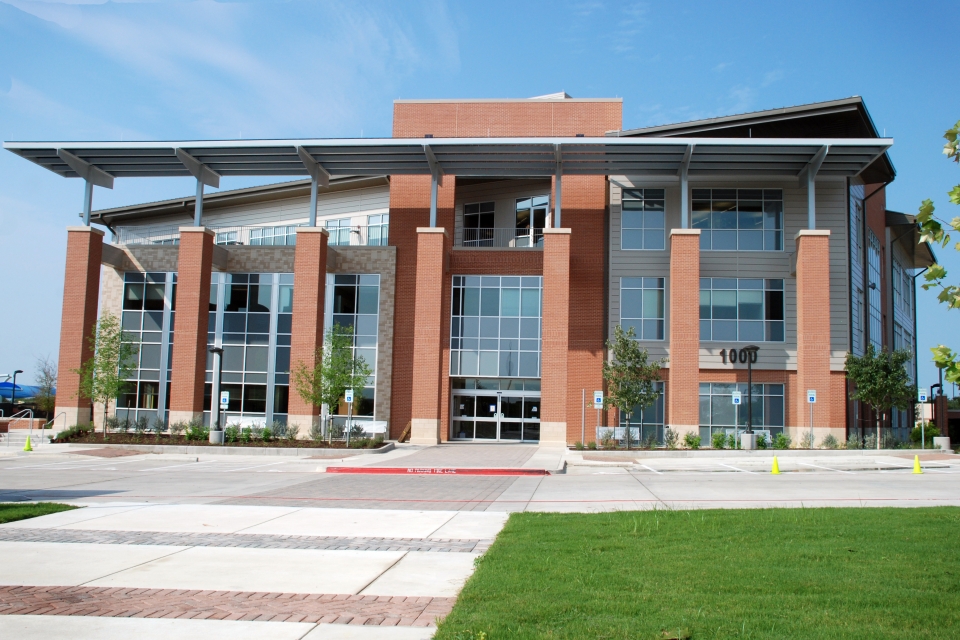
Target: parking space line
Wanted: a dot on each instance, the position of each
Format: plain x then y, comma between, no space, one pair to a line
807,464
77,464
652,469
254,467
735,468
175,466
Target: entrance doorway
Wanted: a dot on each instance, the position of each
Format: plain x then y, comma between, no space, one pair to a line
486,415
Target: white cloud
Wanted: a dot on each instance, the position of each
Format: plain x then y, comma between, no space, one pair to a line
771,76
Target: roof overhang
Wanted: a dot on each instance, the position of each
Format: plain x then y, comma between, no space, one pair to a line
527,157
907,234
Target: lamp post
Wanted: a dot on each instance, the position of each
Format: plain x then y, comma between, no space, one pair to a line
13,391
750,440
215,396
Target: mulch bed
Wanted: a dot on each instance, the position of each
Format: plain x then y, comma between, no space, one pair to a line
129,438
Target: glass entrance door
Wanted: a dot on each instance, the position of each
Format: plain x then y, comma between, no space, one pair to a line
497,416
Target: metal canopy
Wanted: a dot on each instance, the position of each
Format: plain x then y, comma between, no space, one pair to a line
529,157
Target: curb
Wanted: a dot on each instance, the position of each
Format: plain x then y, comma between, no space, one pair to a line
233,451
759,453
439,471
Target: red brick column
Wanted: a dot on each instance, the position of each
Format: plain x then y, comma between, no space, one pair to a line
432,244
194,266
309,290
81,295
683,390
813,333
556,335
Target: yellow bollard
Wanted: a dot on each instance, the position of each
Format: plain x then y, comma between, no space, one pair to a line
776,467
916,464
27,447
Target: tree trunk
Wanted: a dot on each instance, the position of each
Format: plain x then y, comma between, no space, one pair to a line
879,419
627,434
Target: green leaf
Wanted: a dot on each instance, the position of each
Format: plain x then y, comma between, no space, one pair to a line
926,211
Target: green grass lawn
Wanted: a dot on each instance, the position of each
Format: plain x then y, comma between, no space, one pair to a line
777,573
13,511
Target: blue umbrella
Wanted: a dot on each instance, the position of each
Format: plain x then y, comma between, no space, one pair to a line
23,391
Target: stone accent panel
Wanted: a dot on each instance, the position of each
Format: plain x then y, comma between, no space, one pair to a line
81,293
194,266
245,259
683,390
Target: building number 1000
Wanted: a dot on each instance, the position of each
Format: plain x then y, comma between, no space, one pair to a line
736,356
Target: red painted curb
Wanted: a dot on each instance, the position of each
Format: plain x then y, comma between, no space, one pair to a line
439,471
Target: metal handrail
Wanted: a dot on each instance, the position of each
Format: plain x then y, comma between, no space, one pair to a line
499,237
16,418
264,235
47,424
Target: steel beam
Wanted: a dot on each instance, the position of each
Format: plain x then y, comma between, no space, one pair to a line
435,169
86,170
684,172
809,175
316,170
198,170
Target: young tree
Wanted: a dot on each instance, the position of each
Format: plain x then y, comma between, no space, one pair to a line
335,371
881,381
104,376
932,230
631,379
46,379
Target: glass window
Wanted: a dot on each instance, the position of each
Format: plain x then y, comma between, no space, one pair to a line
273,236
642,224
478,221
378,230
645,424
340,231
641,307
495,326
718,413
356,304
741,310
739,219
873,287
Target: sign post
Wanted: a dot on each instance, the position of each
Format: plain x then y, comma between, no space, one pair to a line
737,400
348,398
598,405
811,400
922,397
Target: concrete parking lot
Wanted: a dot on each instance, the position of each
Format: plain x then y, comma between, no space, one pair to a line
274,546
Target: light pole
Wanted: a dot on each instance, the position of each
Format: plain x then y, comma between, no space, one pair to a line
215,396
751,358
13,391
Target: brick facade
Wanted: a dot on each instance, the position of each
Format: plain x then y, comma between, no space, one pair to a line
813,331
683,391
81,292
309,288
194,267
555,358
432,251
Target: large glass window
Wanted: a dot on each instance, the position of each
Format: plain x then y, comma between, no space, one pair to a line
873,297
718,413
642,224
250,318
739,219
531,219
148,311
645,424
378,230
478,221
902,288
495,326
903,341
641,307
741,309
356,304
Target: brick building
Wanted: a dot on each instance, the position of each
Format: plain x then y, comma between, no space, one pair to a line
483,256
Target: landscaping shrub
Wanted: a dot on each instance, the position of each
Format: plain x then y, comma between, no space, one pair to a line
291,432
870,442
592,446
853,442
607,441
140,426
178,428
75,430
671,438
807,440
266,434
830,442
650,442
246,434
231,433
928,433
196,431
762,442
691,441
578,445
781,441
732,441
718,440
316,431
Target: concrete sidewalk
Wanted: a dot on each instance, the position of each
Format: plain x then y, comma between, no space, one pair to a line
308,570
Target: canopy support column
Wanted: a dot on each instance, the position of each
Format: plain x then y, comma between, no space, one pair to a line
685,188
87,201
436,179
558,205
810,174
198,206
319,176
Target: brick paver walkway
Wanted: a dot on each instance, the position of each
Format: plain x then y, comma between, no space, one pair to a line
223,605
107,453
245,540
465,455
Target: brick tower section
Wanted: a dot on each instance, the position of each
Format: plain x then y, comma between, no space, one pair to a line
813,332
683,389
81,292
194,266
432,252
584,213
309,290
556,335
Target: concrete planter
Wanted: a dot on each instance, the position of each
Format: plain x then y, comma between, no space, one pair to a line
943,442
748,441
216,437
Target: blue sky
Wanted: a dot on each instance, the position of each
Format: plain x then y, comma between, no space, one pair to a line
174,70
